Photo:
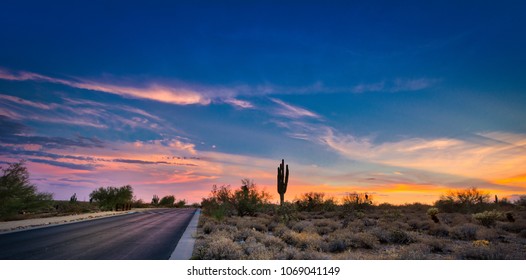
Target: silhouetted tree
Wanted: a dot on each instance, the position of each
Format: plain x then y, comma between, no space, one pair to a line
155,200
111,198
167,201
17,194
73,198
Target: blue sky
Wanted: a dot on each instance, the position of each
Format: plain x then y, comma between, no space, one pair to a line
402,100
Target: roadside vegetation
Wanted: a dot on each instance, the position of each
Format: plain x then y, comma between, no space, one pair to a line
463,224
20,199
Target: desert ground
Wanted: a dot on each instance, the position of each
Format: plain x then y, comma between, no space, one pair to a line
374,232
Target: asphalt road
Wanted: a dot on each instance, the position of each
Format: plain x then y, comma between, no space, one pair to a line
148,235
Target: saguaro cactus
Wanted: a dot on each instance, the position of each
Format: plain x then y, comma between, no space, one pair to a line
283,180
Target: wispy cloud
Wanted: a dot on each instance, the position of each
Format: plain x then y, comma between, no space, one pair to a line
153,91
25,102
493,160
242,104
291,111
396,85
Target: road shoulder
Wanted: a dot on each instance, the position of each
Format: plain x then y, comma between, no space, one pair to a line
185,247
21,225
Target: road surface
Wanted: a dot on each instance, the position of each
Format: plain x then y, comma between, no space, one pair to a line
148,235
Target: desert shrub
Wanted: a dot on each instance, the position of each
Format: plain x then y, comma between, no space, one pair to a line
332,224
417,251
391,215
478,252
209,226
393,236
465,201
521,201
465,232
286,213
303,240
218,248
432,213
303,226
516,227
219,203
487,234
258,224
356,200
288,253
273,242
363,240
488,218
110,198
439,230
336,245
419,224
438,246
256,250
453,219
18,195
280,230
369,222
398,236
248,200
314,201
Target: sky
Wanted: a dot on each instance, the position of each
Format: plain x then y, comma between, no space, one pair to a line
403,100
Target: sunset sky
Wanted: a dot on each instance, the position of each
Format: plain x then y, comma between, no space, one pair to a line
401,100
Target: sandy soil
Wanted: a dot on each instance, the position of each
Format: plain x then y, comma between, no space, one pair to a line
32,223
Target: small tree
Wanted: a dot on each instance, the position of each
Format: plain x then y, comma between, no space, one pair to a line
73,198
248,200
167,201
181,203
357,200
155,200
111,198
17,194
219,202
467,200
311,201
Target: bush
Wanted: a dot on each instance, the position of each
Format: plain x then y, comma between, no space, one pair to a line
246,201
465,201
17,194
111,198
219,203
488,218
220,248
432,213
521,201
303,240
315,201
393,236
465,232
357,201
167,201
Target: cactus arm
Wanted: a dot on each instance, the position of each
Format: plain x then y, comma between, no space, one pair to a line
286,178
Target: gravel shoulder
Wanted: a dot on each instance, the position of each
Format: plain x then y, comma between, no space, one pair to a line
41,222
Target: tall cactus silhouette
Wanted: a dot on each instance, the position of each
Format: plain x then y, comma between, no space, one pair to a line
283,180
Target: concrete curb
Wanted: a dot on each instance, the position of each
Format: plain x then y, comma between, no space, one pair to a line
185,247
